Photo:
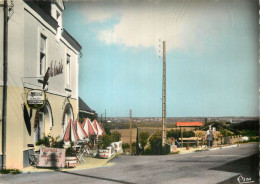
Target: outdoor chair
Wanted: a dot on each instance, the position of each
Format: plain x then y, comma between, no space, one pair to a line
33,157
83,151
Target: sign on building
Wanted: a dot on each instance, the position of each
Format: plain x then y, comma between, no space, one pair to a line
52,157
35,99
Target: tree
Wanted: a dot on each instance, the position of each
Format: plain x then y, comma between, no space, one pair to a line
177,133
156,143
107,127
105,141
143,137
115,136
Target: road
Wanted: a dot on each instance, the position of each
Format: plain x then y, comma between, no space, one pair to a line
223,166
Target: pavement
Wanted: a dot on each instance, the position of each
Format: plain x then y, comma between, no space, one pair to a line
91,162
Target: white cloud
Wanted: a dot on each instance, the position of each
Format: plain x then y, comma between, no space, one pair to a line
183,24
97,15
143,24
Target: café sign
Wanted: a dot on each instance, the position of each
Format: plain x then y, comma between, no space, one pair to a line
35,99
52,157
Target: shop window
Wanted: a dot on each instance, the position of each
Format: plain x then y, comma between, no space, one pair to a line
68,71
42,55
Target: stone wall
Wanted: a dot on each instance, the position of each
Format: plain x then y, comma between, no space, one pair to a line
227,140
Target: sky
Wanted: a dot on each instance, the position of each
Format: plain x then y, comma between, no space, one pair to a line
211,56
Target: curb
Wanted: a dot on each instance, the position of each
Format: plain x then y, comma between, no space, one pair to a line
231,146
212,149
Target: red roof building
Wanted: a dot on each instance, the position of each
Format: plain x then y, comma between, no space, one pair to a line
189,124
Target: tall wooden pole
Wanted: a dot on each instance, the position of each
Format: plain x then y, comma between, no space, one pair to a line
164,97
131,131
5,70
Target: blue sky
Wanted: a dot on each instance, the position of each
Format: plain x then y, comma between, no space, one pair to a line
212,56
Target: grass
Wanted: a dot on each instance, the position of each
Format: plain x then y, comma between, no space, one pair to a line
10,171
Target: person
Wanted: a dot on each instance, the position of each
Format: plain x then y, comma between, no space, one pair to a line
209,137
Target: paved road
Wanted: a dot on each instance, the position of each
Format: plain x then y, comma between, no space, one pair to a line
208,167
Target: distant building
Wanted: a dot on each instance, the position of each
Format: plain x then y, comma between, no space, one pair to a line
37,41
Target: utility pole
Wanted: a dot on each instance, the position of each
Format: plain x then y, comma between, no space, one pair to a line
164,97
105,114
5,68
130,131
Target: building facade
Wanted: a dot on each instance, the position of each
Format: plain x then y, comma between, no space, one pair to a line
37,43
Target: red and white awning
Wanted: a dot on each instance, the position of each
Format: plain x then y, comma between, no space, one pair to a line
70,134
88,127
98,127
80,131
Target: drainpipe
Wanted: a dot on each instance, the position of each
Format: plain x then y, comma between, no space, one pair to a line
5,84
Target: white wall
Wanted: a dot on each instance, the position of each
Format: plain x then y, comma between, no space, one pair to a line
56,52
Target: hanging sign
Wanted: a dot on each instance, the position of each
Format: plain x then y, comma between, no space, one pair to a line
35,99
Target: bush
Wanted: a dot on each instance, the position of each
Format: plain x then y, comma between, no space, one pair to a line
188,133
249,133
44,141
105,141
115,136
133,147
225,132
70,152
125,146
143,137
156,143
177,134
58,144
10,171
54,143
148,151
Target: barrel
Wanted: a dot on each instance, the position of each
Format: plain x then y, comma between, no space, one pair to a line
70,161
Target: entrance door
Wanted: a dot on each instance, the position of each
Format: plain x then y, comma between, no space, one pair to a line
39,131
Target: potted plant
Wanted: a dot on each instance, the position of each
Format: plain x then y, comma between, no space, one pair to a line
71,158
187,146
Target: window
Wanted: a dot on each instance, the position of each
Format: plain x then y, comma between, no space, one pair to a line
68,71
43,55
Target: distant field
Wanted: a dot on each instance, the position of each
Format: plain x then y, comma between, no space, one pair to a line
126,125
125,133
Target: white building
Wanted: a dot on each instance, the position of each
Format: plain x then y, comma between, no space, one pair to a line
36,41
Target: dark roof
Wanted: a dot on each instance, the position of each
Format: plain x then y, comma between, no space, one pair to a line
43,8
71,40
84,107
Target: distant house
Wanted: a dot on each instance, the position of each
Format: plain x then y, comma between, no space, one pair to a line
85,111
